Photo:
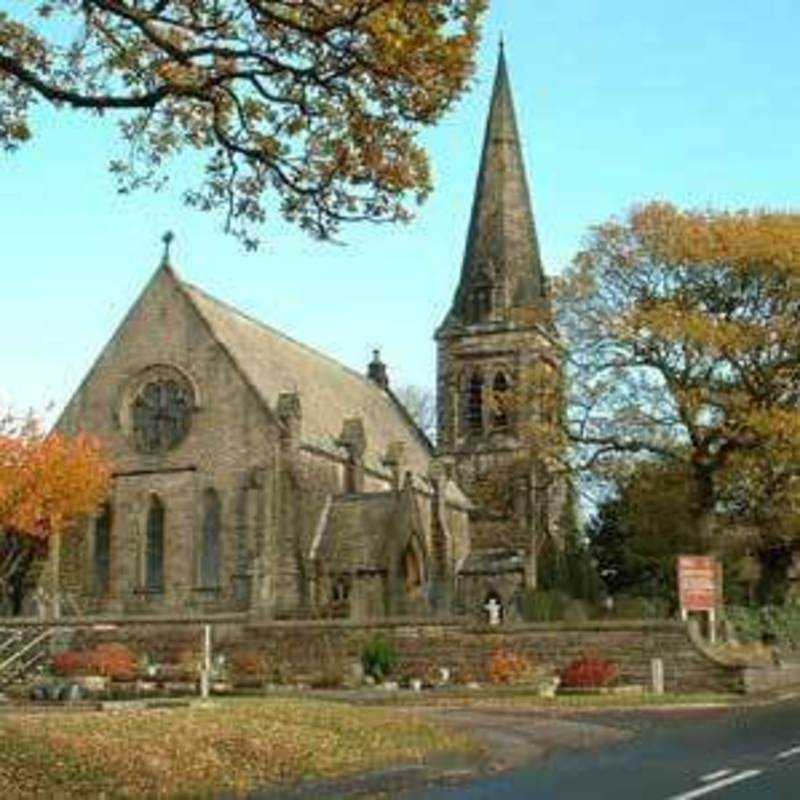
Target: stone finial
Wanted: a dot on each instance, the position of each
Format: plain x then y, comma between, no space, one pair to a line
441,469
290,413
377,372
394,461
353,438
289,406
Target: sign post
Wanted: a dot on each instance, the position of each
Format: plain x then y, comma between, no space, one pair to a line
700,588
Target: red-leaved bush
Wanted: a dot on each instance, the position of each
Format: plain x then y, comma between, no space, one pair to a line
115,661
589,673
508,667
110,660
71,662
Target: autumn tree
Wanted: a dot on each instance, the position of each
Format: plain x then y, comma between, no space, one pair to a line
47,481
682,344
315,104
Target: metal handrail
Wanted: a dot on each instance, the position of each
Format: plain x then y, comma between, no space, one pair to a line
13,636
28,646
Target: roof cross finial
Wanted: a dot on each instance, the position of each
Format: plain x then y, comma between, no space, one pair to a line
502,43
167,238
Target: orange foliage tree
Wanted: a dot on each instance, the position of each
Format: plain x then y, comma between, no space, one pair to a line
319,104
47,481
682,346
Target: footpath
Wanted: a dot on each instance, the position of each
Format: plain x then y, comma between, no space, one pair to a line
508,736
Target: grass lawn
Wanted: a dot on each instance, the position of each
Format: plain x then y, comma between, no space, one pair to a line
522,698
234,745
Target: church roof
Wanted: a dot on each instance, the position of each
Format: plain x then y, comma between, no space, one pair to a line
376,516
502,246
329,392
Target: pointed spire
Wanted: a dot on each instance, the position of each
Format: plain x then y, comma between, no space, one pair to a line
502,267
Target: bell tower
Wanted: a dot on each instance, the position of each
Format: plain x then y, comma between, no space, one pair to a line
497,334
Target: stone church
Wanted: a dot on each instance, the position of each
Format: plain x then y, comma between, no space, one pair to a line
254,473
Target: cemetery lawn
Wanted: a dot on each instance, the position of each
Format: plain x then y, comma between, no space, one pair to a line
230,745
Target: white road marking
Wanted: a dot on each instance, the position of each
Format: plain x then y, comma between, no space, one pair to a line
712,787
715,776
793,751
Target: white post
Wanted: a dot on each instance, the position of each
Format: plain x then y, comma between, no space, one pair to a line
205,672
657,672
712,625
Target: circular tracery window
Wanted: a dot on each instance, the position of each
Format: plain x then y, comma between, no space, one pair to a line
161,413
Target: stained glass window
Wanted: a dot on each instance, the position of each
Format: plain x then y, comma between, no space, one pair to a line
161,415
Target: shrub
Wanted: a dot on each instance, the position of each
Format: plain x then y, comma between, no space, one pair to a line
186,666
542,606
576,611
508,667
631,607
248,664
780,624
72,662
329,676
747,654
109,660
115,661
378,658
589,672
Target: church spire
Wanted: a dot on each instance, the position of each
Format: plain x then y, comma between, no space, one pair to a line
502,267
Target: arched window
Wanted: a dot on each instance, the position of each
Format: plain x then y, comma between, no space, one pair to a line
209,546
102,551
500,400
154,552
340,589
475,403
494,608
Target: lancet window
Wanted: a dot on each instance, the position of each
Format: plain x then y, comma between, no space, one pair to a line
154,546
210,540
102,551
474,405
500,401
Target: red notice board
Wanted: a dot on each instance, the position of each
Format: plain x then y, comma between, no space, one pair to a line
699,582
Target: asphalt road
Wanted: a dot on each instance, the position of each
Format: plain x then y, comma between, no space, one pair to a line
735,754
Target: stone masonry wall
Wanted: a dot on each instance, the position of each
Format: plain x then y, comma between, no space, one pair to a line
304,649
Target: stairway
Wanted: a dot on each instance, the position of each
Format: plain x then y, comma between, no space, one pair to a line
22,650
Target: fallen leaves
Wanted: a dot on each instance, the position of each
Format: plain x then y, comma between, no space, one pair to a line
233,746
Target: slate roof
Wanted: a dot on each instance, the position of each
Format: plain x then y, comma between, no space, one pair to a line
273,363
373,516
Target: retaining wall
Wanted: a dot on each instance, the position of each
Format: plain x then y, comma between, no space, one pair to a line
303,650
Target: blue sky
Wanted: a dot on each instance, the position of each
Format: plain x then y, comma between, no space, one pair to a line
618,102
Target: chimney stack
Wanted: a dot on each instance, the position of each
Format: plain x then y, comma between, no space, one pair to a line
376,371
